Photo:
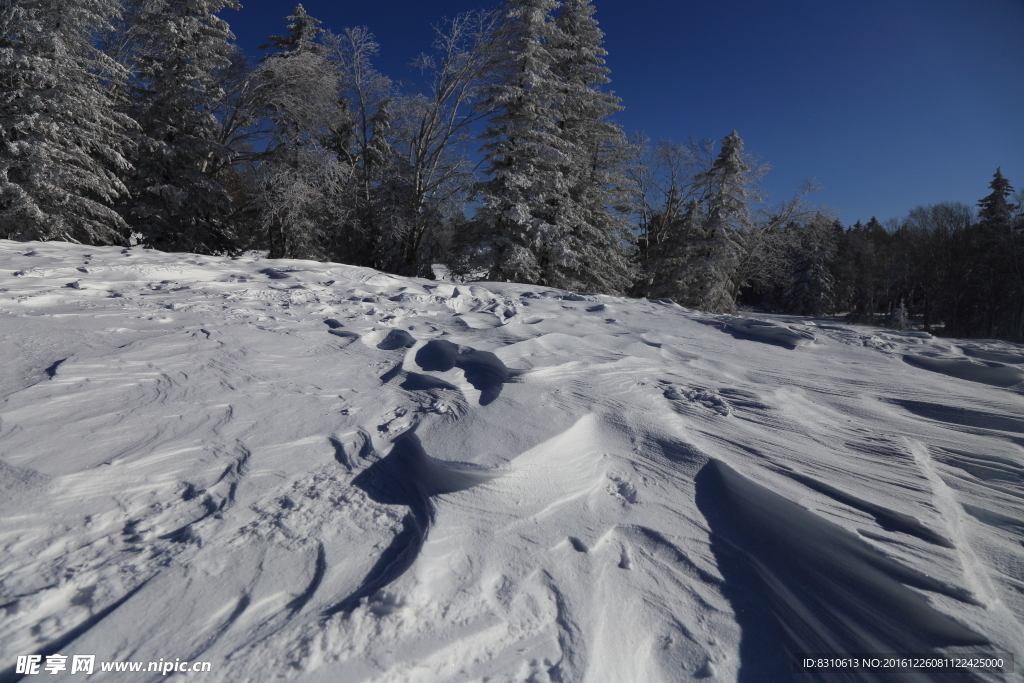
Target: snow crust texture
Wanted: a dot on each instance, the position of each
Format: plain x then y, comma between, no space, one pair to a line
317,472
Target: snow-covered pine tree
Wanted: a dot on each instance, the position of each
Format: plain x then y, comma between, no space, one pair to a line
296,84
812,285
62,145
516,236
717,250
998,282
592,230
299,183
554,159
996,208
673,265
662,189
900,318
303,31
383,216
865,244
177,203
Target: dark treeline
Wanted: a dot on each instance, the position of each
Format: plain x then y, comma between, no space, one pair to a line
140,122
957,269
952,269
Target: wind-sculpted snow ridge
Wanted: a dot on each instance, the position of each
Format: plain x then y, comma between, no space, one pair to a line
827,589
318,472
408,476
770,332
986,372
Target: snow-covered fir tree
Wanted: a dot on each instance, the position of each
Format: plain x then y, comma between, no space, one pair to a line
812,285
998,283
900,318
673,264
303,31
516,236
996,208
62,144
596,233
299,183
716,251
177,202
553,157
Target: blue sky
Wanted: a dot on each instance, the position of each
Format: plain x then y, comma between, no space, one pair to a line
887,104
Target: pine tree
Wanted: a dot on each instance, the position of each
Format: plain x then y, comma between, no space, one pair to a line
549,210
362,136
434,127
673,265
177,202
900,318
696,260
382,214
299,182
516,235
996,281
593,230
866,245
720,246
297,85
996,208
62,145
303,31
662,191
812,285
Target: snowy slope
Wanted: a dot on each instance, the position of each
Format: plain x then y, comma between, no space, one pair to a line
298,470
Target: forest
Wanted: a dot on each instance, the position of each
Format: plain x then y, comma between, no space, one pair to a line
141,122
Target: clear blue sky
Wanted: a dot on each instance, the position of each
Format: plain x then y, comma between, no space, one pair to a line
888,104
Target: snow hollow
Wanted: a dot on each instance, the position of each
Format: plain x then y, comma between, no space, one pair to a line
309,471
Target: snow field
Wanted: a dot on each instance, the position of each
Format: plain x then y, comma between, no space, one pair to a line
315,471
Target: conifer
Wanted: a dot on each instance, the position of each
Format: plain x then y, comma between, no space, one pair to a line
62,144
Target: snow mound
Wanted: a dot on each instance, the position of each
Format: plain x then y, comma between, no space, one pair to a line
1001,352
986,372
770,332
411,465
